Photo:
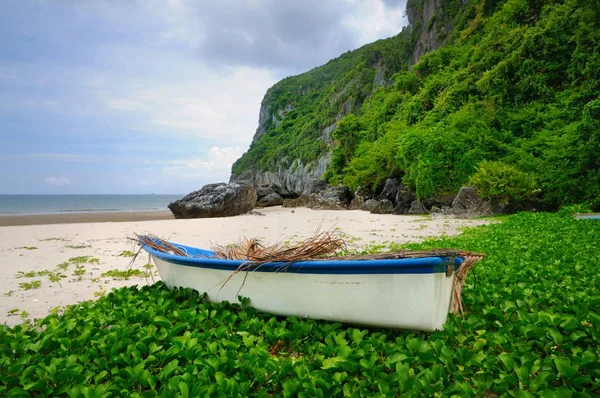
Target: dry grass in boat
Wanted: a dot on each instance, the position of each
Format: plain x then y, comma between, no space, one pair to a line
321,245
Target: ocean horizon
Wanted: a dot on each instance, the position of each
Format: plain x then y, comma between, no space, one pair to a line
11,205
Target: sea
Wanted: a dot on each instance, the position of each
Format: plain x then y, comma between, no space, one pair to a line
57,204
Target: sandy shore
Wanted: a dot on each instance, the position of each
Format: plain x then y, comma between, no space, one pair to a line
90,249
73,218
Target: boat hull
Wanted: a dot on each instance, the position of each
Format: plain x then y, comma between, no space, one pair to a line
587,216
410,301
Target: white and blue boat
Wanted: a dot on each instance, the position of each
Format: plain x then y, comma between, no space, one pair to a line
587,216
414,293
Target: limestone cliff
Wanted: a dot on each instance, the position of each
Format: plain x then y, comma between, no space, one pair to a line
293,141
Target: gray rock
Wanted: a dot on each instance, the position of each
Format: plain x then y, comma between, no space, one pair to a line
294,176
468,203
330,198
438,201
272,199
369,205
404,197
333,198
416,208
390,190
383,206
360,197
215,200
436,212
269,195
301,201
357,203
264,191
400,209
315,187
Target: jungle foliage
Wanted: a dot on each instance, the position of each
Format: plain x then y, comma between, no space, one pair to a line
518,83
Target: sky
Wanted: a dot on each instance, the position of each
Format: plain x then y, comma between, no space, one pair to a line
154,96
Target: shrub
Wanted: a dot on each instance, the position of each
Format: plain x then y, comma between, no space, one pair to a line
406,81
574,209
497,180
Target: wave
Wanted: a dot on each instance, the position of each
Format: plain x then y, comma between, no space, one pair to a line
87,210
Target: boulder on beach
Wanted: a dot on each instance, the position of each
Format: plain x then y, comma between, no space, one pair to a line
390,190
216,200
416,208
322,196
268,195
382,206
469,204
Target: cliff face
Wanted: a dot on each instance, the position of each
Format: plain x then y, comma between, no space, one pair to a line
293,142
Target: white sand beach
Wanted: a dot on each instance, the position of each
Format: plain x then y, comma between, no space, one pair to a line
40,248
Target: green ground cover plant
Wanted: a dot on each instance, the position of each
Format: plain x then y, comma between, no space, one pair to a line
532,328
83,260
34,284
125,274
53,239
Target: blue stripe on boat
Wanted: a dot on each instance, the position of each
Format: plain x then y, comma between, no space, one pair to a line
425,265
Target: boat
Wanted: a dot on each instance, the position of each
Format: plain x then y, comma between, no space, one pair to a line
587,216
413,292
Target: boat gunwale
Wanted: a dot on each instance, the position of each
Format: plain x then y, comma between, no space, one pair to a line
422,265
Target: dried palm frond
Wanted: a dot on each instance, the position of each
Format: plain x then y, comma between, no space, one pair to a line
320,245
242,250
159,245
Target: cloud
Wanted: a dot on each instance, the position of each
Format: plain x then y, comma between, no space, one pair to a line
222,106
374,19
217,162
60,181
400,4
290,36
272,33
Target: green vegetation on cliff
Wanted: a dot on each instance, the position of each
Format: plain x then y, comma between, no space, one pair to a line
518,84
511,95
298,108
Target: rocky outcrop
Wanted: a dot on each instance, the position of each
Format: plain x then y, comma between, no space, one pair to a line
360,197
369,205
404,198
390,189
469,204
428,20
357,203
272,199
271,195
215,200
383,206
416,208
438,201
329,198
295,178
